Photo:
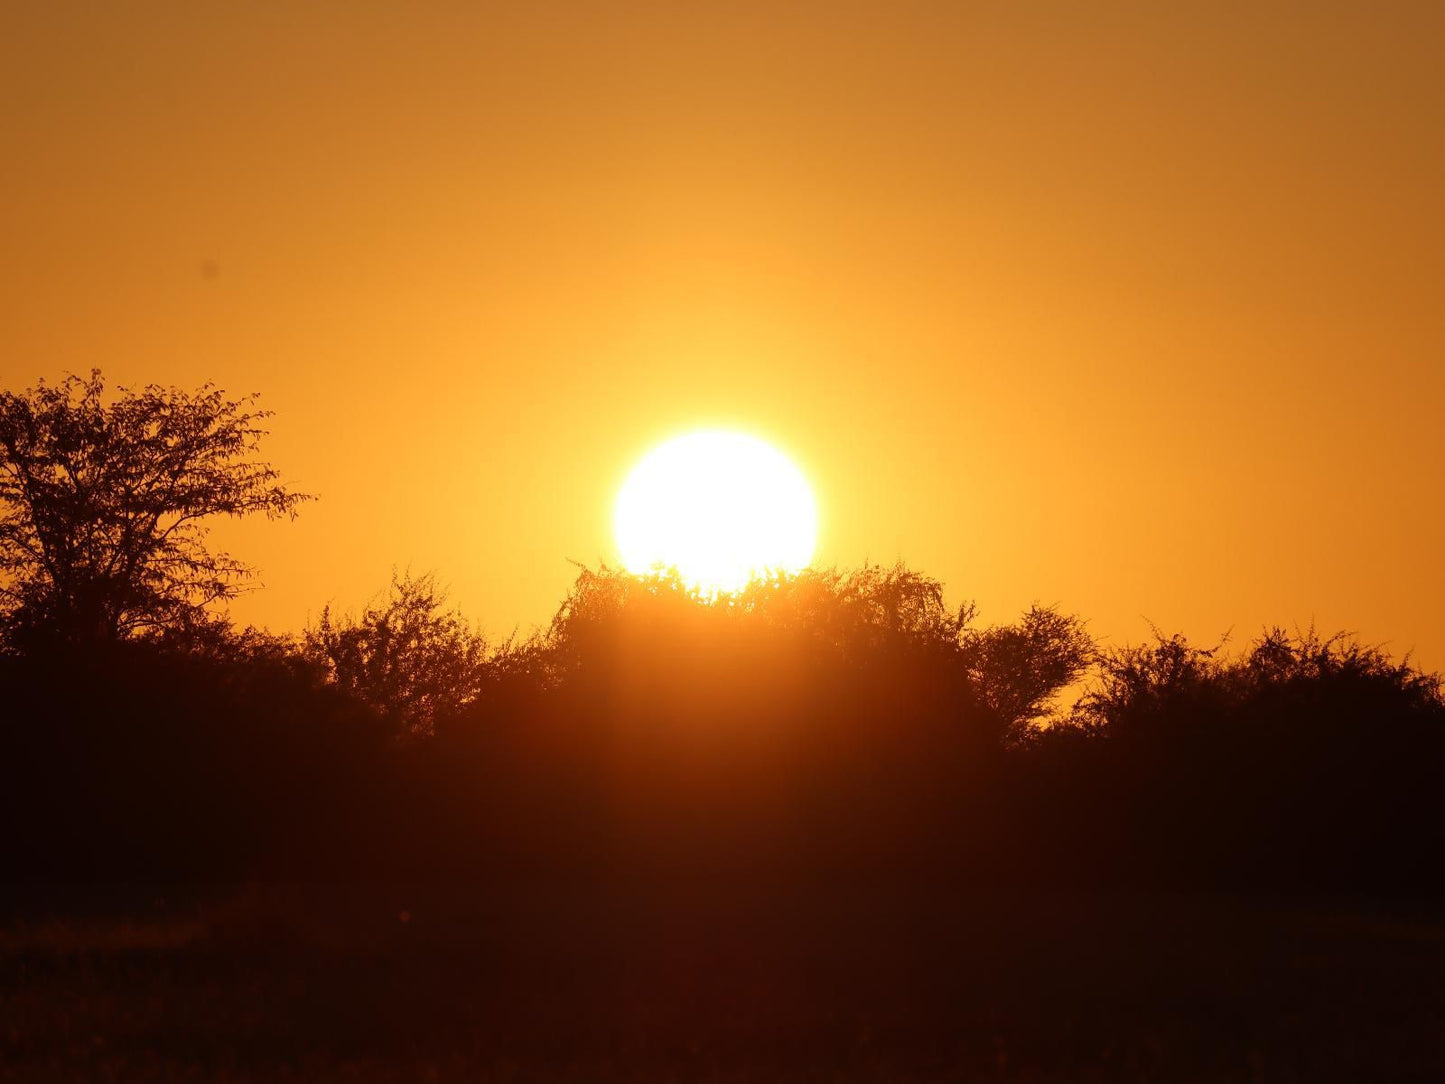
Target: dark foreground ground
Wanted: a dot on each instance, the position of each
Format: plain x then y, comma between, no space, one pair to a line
383,983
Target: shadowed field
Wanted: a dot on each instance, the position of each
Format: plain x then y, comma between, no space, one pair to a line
387,983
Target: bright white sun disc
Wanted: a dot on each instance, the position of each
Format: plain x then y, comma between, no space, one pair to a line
719,507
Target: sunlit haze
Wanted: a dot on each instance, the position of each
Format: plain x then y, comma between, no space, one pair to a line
1136,308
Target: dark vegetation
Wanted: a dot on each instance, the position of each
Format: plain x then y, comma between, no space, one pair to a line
824,725
830,773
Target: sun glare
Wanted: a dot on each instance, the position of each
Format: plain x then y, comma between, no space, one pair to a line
719,507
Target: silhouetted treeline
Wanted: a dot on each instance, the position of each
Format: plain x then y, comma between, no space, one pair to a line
828,727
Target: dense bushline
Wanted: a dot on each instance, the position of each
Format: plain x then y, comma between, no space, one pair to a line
832,726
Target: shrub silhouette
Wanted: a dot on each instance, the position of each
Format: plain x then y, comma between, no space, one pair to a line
1019,670
404,655
139,760
1301,760
825,725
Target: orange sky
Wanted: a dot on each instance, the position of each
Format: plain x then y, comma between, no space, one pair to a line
1134,307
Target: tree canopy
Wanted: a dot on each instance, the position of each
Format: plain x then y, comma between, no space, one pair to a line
105,503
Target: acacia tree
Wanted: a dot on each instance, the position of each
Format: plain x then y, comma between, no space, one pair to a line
104,506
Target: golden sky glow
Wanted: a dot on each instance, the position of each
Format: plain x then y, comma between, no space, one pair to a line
1132,307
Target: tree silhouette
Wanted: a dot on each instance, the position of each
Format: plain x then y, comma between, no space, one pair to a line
1019,669
405,655
104,506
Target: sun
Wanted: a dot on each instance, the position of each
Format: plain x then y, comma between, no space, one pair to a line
720,507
